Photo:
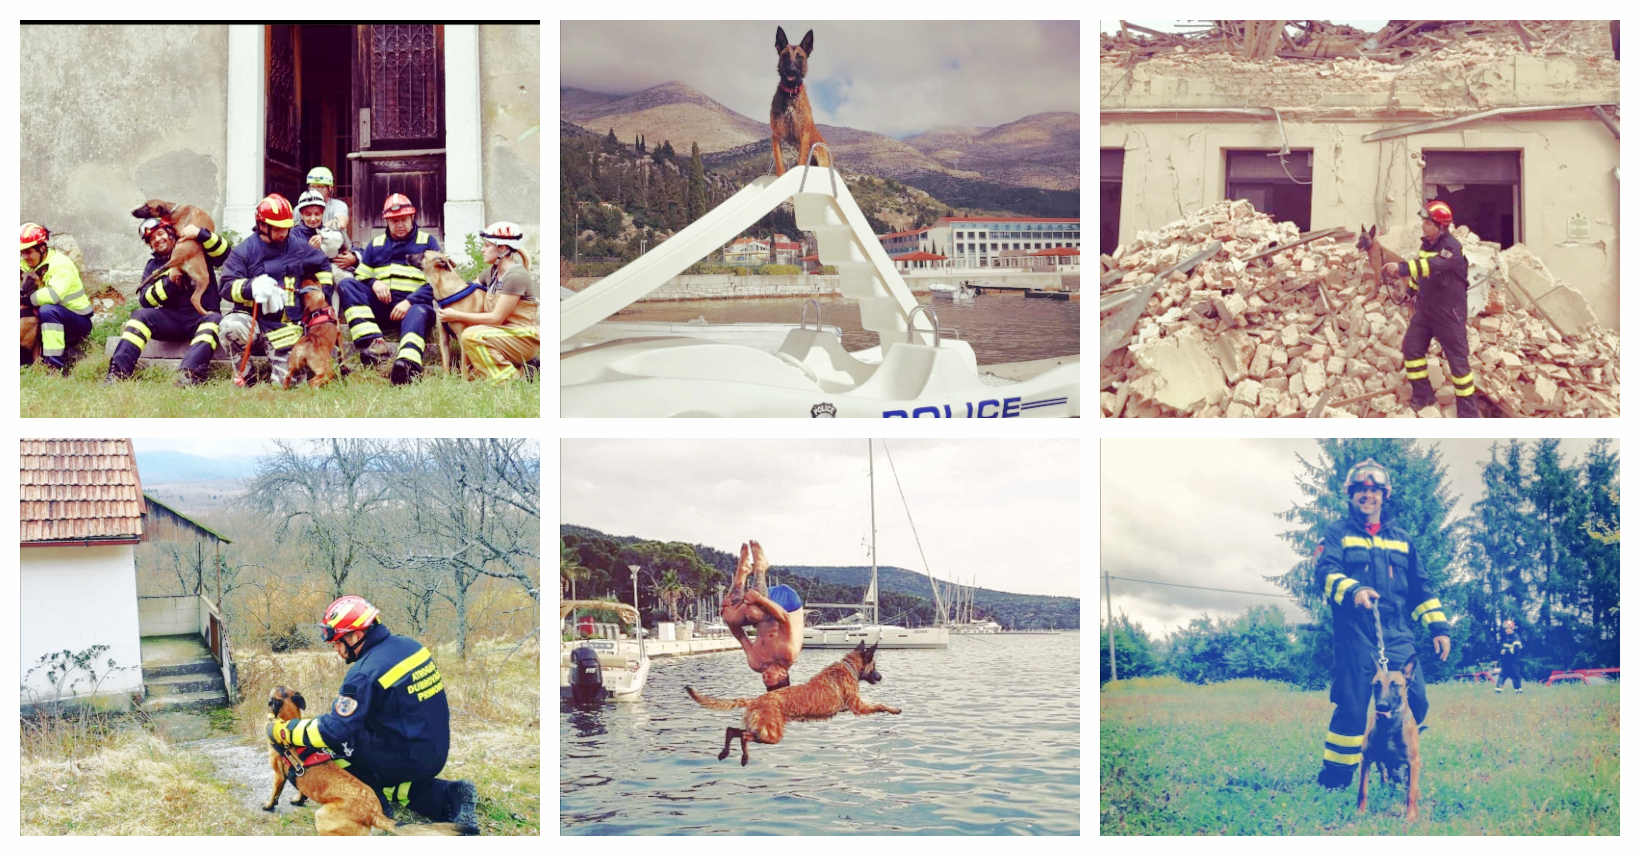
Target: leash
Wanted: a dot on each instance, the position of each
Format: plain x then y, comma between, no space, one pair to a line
1383,660
250,341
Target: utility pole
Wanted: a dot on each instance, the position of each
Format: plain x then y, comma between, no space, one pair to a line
1111,625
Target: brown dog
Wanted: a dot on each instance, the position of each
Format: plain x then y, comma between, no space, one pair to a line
1391,741
823,696
789,117
30,314
316,350
447,283
187,255
347,806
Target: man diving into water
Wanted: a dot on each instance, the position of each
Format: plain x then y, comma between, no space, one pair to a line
778,617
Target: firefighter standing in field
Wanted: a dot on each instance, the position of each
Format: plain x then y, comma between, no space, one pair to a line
390,724
1509,658
1366,561
1440,277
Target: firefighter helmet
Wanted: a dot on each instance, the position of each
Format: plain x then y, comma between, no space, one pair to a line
32,234
1368,473
148,227
504,234
274,210
347,614
320,175
397,205
1438,211
310,198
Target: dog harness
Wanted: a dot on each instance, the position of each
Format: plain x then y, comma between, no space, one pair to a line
324,315
299,758
447,302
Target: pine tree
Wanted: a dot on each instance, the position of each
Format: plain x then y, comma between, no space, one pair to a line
697,183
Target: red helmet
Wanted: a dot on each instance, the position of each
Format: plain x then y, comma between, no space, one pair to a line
275,211
346,614
397,205
33,234
1438,211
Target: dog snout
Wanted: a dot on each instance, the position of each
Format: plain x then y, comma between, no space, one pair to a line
871,677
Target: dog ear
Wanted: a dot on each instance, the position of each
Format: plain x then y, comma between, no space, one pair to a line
1408,668
808,43
780,38
301,703
274,701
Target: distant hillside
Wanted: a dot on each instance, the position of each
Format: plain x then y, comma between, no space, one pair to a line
155,468
905,596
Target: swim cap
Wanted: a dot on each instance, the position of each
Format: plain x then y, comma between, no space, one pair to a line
786,597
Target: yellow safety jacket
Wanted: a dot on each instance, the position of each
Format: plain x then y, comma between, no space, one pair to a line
59,283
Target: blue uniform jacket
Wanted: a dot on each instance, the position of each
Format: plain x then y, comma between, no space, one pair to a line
288,265
164,294
386,260
1387,563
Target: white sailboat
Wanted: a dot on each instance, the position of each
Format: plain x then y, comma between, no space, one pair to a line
856,629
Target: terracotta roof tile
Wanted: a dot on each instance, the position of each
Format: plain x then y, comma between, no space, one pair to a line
80,489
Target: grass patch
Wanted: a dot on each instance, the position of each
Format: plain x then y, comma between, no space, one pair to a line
113,775
1240,758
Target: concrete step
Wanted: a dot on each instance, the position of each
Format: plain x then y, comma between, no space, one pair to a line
206,666
186,701
174,685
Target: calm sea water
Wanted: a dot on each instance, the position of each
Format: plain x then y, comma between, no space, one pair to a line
1000,329
988,743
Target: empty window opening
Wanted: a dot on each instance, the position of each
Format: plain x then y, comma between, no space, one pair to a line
1260,178
1483,189
1110,199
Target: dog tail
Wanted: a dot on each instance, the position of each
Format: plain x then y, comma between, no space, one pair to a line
386,824
716,703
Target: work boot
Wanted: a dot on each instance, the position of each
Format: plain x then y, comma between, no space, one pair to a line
189,379
404,372
376,352
1335,776
463,799
1467,408
110,379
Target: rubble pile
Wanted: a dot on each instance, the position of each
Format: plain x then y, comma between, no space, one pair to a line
1396,42
1249,332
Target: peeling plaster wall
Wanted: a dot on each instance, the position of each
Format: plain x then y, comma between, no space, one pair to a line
509,86
1173,167
112,116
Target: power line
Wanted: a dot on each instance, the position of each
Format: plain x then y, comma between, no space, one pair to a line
1204,588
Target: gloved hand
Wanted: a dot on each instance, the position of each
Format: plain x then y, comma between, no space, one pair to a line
268,294
278,731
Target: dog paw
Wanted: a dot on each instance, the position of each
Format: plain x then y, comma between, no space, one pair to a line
744,759
269,808
723,754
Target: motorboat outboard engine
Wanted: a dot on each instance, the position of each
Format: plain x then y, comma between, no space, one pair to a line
586,677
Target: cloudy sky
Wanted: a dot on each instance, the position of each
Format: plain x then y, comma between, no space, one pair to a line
1203,512
888,77
1002,511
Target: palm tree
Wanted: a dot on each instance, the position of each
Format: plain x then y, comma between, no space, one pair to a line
671,590
569,569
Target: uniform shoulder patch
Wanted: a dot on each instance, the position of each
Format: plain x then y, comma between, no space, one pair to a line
345,706
1446,254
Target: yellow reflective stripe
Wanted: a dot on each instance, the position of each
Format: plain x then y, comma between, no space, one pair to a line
240,291
380,241
1341,740
358,313
1356,541
314,739
363,329
135,339
1337,758
341,763
1386,544
1422,361
1463,379
1426,606
409,339
1432,617
403,668
158,291
324,277
285,336
134,324
1418,375
1465,391
364,271
1336,585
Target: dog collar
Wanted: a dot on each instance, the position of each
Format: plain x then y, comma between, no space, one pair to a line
783,88
447,302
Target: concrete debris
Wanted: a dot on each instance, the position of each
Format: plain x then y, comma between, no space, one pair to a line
1398,42
1246,336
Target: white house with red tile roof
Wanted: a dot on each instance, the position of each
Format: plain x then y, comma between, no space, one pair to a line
979,242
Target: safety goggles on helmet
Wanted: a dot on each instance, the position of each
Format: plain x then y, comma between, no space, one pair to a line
1437,211
310,198
320,175
1368,473
148,227
397,205
345,615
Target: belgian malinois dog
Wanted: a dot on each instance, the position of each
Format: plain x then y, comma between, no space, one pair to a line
32,349
187,255
316,350
446,283
789,117
1392,737
823,696
347,806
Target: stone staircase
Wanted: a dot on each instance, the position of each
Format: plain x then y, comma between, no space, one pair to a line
179,674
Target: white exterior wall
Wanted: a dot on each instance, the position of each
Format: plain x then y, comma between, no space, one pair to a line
76,597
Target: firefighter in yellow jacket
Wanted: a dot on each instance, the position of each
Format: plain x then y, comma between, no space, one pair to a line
53,292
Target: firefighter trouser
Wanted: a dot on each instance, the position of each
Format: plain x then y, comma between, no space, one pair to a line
277,335
434,799
60,329
1352,693
367,317
491,353
1449,325
1509,671
167,325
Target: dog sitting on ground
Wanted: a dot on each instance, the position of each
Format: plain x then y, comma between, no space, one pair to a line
790,119
32,349
187,256
447,283
316,350
347,806
834,689
1391,741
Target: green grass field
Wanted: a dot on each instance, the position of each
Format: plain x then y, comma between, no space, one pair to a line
1240,758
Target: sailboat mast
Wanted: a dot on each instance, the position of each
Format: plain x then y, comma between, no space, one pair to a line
871,480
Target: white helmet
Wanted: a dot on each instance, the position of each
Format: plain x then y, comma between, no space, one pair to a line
504,234
310,197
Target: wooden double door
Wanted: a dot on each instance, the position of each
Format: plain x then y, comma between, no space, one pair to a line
367,101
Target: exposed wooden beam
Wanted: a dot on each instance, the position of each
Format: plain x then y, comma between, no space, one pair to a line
1437,124
1525,37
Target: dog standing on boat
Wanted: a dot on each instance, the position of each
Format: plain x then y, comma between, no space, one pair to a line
834,689
790,119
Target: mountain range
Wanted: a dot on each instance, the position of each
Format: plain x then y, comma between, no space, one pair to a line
1040,152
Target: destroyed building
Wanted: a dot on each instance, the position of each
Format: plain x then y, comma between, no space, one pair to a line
1324,128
